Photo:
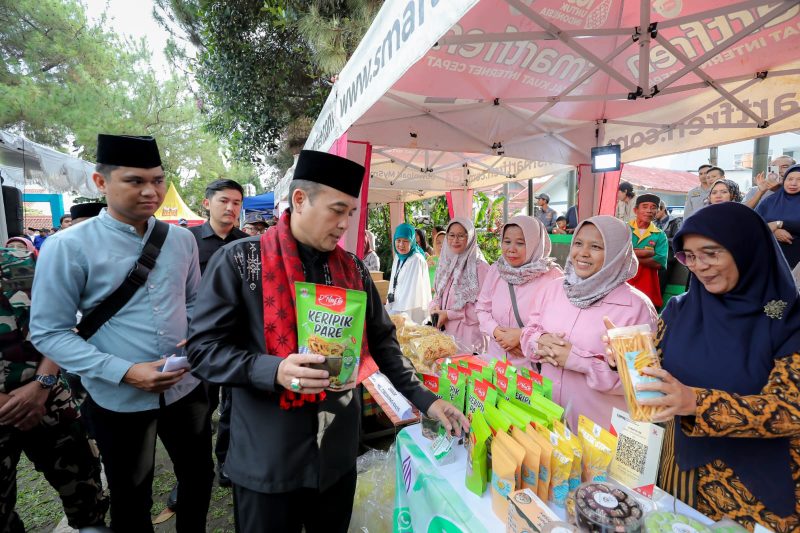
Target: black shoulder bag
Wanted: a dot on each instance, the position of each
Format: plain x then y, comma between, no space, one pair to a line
137,277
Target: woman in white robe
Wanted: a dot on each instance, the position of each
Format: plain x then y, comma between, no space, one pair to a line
409,285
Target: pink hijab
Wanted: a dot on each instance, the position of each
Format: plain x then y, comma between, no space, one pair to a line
619,266
460,270
28,244
538,247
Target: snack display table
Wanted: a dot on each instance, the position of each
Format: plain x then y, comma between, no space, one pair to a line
430,497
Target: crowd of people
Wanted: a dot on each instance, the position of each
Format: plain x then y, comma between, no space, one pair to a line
93,316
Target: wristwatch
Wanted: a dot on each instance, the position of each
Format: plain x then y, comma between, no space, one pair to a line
46,381
779,224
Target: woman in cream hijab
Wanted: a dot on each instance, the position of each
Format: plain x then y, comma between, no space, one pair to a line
458,282
564,329
513,283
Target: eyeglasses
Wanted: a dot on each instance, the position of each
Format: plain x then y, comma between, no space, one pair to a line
709,258
456,237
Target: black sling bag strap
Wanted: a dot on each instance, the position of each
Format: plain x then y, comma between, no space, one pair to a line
520,323
135,279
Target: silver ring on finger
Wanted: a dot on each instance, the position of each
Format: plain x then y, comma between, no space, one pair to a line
295,384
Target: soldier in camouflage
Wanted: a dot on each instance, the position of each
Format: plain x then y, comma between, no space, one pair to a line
37,413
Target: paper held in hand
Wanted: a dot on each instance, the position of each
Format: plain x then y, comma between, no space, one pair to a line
394,404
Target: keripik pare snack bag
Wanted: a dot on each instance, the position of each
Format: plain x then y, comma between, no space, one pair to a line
330,322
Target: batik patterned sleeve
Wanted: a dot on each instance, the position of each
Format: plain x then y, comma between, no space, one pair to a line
773,413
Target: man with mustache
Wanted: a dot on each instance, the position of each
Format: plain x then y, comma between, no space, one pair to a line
292,458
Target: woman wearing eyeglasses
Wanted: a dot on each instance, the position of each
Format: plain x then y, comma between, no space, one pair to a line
731,376
564,327
513,284
458,282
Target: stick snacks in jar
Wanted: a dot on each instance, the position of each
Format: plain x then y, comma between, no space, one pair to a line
634,350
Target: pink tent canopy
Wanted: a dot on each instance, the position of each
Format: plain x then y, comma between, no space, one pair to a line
546,80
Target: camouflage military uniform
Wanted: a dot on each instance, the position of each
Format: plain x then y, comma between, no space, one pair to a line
58,446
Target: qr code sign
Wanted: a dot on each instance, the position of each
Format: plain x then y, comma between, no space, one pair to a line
631,453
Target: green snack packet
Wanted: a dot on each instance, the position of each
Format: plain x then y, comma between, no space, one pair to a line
497,420
539,384
477,444
330,322
506,384
479,393
530,412
457,383
519,416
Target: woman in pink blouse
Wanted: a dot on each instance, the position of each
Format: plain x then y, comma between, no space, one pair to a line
459,277
564,329
524,268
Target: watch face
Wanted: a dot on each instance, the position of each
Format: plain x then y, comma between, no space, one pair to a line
48,381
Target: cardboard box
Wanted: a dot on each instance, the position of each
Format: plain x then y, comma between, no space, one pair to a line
383,289
377,275
527,513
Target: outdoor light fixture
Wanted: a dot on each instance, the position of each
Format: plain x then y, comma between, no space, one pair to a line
606,158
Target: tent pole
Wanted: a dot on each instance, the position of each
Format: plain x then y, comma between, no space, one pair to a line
713,155
572,188
3,222
760,156
505,203
530,198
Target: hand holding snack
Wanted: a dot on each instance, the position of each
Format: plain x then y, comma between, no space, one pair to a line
451,417
678,399
312,381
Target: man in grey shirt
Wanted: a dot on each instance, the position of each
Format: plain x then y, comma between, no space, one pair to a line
547,215
765,188
696,198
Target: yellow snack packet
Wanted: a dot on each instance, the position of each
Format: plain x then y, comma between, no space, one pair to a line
517,453
545,467
530,464
503,471
598,449
562,466
577,453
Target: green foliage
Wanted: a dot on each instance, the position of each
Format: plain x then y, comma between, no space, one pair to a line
65,77
265,64
378,222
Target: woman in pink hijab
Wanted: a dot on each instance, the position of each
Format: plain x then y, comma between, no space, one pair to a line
23,244
459,276
513,283
564,329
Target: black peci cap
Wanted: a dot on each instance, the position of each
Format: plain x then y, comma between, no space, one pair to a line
127,151
327,169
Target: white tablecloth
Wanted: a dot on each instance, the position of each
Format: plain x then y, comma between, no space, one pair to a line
430,495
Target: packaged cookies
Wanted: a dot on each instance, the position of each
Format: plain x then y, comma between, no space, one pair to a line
607,508
330,322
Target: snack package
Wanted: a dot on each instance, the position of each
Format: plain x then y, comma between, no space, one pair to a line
330,322
434,346
442,448
666,522
598,449
518,416
477,444
530,465
634,349
532,414
497,420
479,393
562,467
577,453
541,384
545,459
528,513
507,383
603,507
546,409
457,383
517,453
499,367
503,470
